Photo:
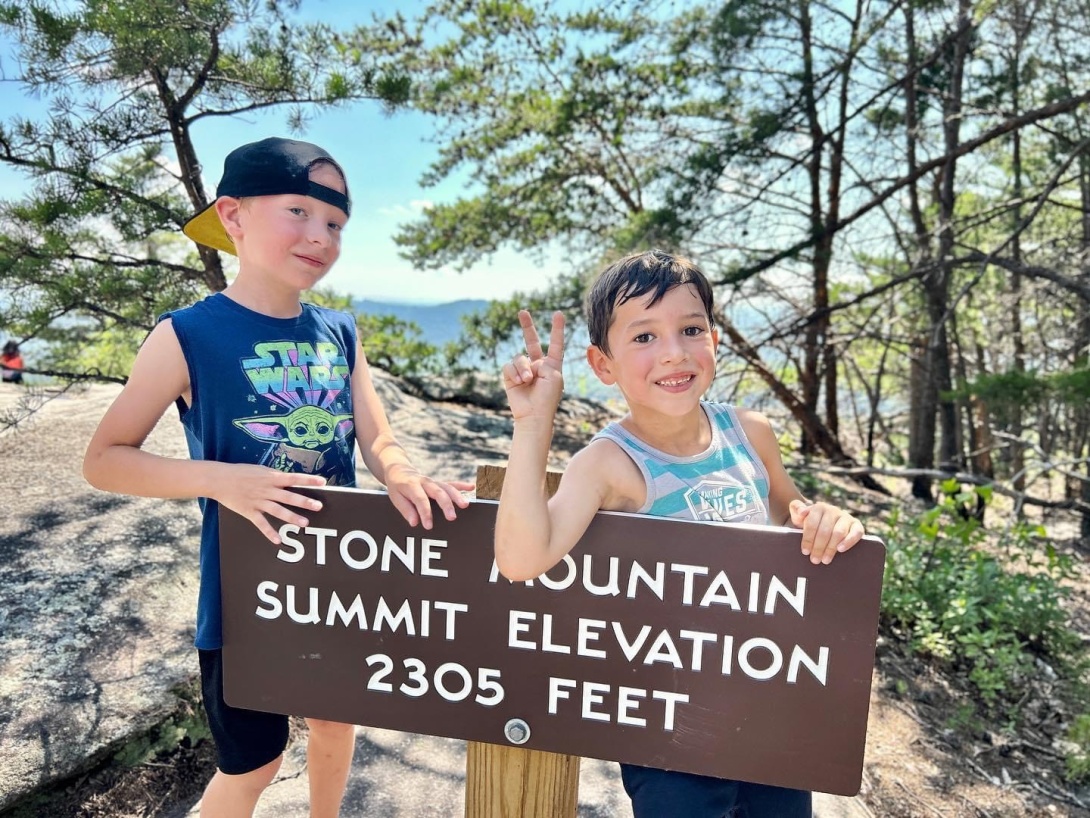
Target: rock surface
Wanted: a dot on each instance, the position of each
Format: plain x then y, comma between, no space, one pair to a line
99,597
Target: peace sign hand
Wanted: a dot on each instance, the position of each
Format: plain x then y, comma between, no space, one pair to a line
535,381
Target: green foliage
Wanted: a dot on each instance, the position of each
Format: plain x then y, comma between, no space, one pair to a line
806,481
1028,387
93,252
188,723
1077,762
392,343
556,116
1072,386
108,353
495,330
329,298
965,719
989,614
398,346
797,149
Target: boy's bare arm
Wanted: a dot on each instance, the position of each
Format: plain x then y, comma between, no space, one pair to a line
116,462
532,533
781,488
410,491
826,529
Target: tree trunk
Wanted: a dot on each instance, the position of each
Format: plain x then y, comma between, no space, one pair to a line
213,276
1017,459
820,353
1081,432
921,415
938,382
808,419
810,377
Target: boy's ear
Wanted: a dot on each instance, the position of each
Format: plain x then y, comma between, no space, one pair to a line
228,208
602,365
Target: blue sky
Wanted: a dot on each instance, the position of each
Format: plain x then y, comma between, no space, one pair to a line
383,156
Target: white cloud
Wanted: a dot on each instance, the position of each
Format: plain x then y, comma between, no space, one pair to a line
413,208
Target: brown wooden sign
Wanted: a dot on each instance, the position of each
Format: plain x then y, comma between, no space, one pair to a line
709,648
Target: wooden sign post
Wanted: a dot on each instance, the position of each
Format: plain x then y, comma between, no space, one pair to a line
512,782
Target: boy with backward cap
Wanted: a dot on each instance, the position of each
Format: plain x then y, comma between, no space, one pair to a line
273,393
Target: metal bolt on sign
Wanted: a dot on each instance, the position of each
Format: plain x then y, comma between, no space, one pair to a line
517,731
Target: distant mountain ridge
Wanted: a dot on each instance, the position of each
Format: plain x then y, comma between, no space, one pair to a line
439,322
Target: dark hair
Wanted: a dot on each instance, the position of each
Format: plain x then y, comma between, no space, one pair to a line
635,275
11,347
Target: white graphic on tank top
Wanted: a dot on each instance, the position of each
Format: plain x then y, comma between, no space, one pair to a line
724,502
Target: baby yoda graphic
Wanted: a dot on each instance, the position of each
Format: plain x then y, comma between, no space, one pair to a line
304,440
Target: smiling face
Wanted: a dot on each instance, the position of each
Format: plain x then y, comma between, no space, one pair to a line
662,356
289,239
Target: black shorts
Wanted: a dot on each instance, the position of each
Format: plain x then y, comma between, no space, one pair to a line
662,794
245,739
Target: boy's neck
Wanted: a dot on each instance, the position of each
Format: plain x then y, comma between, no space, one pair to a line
683,436
266,300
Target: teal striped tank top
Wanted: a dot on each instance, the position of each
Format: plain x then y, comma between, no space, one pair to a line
726,483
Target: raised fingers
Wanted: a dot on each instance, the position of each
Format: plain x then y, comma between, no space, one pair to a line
556,340
529,335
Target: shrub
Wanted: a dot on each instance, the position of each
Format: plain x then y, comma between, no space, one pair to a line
397,345
1078,759
990,613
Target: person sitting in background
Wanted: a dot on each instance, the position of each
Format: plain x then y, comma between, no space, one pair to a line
11,363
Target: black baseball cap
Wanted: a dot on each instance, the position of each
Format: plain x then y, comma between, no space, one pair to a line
271,167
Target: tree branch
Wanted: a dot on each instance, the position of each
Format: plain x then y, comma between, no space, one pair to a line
964,148
938,474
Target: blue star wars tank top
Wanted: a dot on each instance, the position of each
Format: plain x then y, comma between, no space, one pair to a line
271,391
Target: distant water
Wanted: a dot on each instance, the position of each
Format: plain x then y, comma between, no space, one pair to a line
441,323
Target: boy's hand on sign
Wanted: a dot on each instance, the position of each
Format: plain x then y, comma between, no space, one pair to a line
535,381
412,493
826,530
256,491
